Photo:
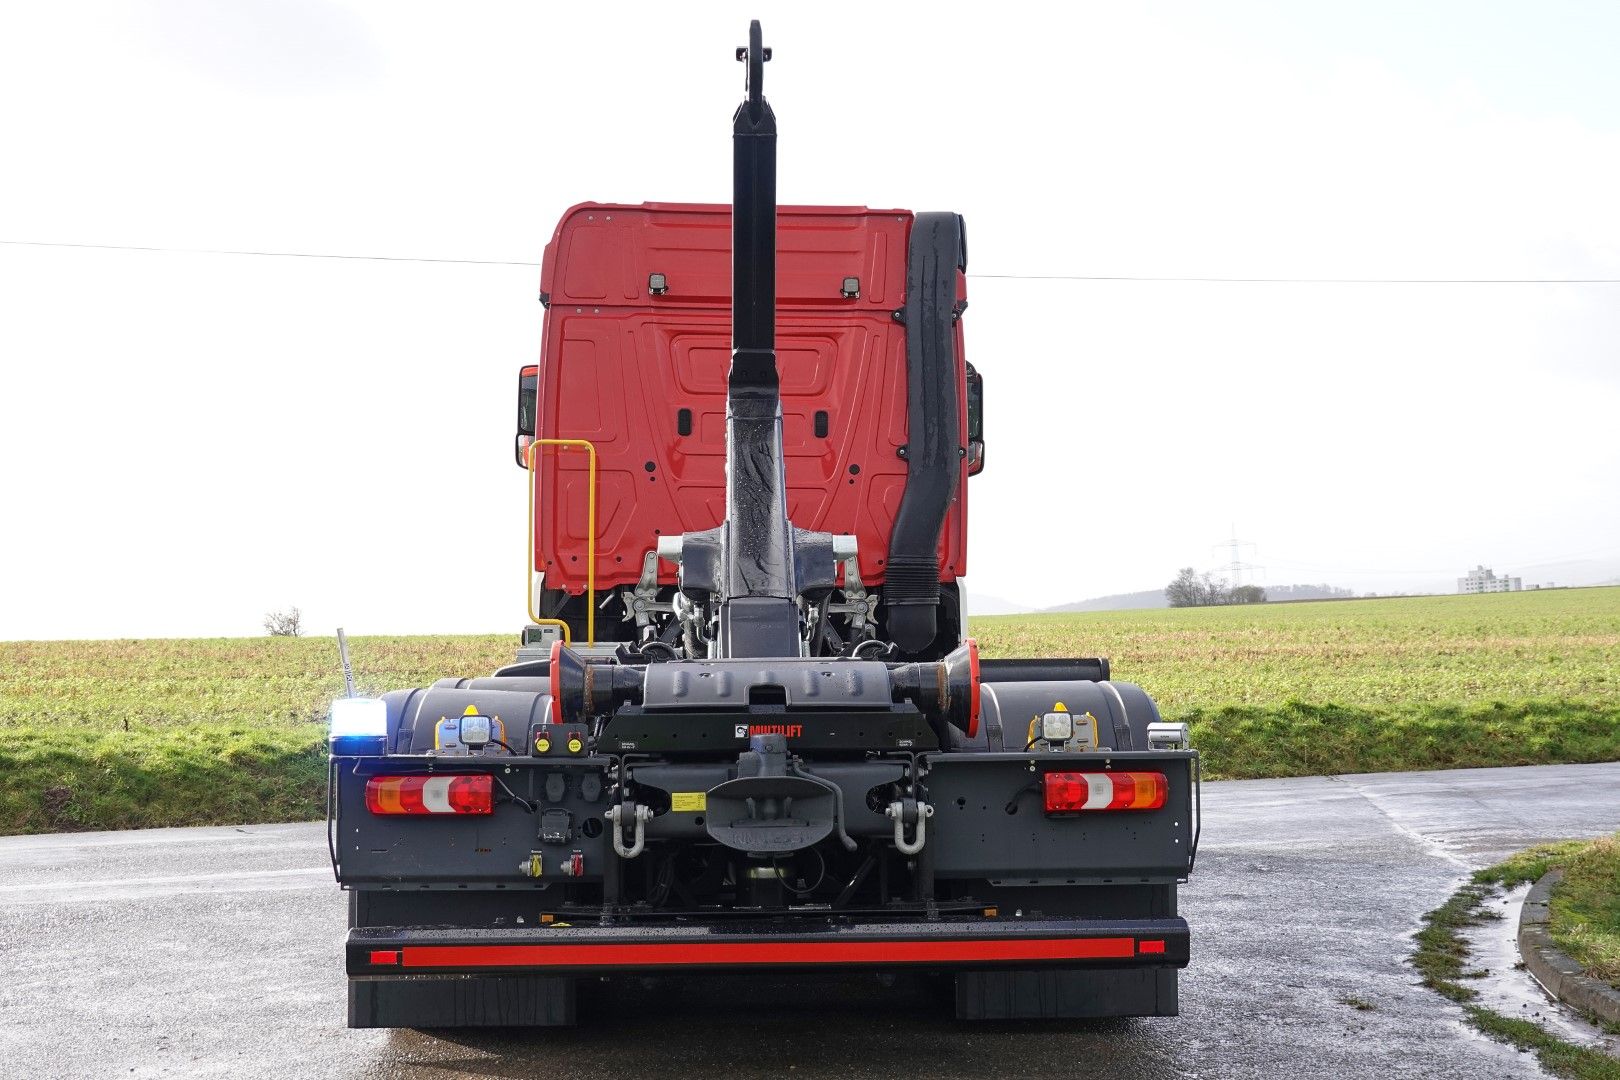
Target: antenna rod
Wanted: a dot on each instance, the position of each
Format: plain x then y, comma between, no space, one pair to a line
343,657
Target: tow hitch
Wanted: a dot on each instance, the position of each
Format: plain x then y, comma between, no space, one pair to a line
909,811
624,815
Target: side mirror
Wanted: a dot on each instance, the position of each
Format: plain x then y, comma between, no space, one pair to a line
975,421
528,379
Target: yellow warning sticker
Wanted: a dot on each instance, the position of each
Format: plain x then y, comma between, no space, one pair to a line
688,802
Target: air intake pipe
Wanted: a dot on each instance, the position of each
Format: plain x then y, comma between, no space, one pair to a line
933,449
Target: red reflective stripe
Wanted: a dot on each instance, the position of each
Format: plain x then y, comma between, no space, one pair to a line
1150,946
385,957
764,952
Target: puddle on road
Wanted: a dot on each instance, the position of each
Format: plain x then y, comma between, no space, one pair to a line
1511,990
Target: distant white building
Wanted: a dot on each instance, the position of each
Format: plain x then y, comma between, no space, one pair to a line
1482,579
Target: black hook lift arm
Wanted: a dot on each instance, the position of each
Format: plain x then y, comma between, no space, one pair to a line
755,565
758,610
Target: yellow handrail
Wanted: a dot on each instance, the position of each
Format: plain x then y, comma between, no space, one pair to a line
590,538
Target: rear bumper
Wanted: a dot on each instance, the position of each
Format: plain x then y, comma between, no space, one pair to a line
947,945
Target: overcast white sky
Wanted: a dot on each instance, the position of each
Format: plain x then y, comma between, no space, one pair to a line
190,440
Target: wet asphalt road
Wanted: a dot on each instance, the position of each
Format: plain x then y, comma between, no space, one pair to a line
211,952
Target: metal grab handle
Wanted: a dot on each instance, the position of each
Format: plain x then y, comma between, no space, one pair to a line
1198,809
897,812
590,537
643,814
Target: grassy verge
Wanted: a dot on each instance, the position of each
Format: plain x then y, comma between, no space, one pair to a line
1556,1056
125,734
206,775
1586,910
1441,954
142,734
1584,913
1301,739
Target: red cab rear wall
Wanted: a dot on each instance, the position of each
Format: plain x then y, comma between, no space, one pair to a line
618,364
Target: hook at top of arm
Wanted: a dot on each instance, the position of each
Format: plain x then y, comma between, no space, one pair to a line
754,54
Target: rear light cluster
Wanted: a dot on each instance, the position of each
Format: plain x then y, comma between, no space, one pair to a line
1070,791
431,794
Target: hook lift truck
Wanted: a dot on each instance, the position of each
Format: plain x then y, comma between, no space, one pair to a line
774,751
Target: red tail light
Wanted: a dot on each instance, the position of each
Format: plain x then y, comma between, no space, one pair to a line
431,794
1070,791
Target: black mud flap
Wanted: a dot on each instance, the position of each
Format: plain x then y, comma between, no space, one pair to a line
1066,995
468,1001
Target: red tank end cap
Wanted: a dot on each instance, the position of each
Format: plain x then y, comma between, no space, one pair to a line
973,694
556,682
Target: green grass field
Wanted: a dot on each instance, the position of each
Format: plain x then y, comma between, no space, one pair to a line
1364,685
124,734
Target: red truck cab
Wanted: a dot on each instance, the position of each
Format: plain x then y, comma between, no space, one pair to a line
634,360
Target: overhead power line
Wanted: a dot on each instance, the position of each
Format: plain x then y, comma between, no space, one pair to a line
1607,551
268,254
1005,277
1305,280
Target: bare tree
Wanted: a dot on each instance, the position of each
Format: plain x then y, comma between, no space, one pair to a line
1185,590
1246,594
1189,588
289,623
